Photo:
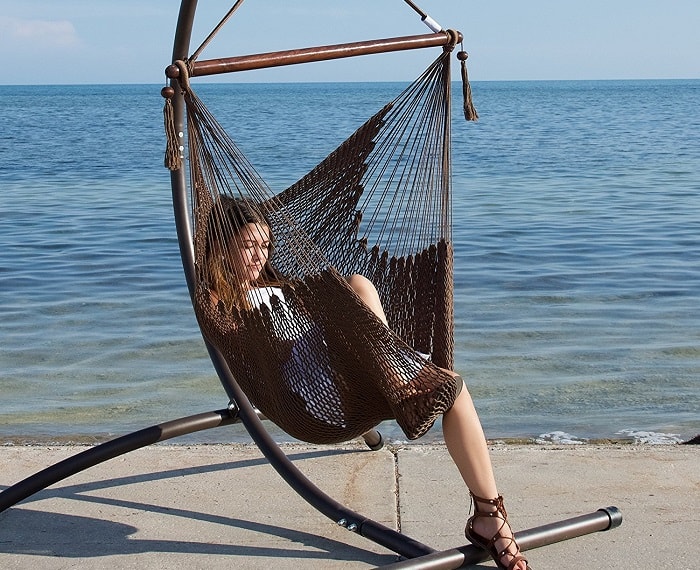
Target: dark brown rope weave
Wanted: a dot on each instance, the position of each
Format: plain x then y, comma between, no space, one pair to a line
320,364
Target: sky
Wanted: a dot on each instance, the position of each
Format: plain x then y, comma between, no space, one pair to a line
130,41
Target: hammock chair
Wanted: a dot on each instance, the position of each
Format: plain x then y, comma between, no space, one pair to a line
312,357
300,347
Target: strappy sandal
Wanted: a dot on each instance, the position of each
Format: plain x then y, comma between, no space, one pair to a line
489,544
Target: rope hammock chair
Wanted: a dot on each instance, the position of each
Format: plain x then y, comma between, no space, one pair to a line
300,347
310,354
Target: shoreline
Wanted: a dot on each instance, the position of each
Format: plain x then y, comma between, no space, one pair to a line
90,440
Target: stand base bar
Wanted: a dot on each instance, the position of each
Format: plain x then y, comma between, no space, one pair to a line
600,520
109,450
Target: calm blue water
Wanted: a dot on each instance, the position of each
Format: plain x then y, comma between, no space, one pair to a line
577,230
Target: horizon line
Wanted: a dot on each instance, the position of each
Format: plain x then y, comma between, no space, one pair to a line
320,82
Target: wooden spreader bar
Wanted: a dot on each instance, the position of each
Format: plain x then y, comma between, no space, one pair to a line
320,53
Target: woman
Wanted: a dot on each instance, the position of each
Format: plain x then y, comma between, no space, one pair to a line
238,273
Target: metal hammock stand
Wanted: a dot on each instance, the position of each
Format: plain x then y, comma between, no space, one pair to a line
416,554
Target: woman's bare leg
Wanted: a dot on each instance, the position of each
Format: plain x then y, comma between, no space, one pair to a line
461,426
366,291
462,431
467,446
466,443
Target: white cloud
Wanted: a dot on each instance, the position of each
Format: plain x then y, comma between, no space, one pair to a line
43,33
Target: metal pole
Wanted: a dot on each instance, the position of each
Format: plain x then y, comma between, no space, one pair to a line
109,450
178,180
320,53
600,520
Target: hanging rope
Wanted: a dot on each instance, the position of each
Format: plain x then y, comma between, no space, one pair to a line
427,20
215,31
470,113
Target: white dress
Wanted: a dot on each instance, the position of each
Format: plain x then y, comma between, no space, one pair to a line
308,369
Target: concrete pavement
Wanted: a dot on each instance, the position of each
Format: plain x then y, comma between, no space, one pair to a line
223,506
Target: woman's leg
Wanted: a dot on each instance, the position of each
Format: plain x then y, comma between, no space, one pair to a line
465,442
467,446
366,291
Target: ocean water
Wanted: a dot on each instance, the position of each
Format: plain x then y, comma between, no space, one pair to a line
577,271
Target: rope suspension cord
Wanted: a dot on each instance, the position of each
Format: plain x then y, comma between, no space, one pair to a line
281,57
413,119
222,168
427,20
447,38
418,215
215,31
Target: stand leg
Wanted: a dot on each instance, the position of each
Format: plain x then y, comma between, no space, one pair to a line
109,450
602,519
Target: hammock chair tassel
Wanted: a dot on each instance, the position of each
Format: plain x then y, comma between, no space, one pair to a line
173,146
470,113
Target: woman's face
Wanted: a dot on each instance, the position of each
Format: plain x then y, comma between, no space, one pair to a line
249,250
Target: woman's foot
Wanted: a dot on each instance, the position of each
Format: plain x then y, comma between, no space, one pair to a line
489,529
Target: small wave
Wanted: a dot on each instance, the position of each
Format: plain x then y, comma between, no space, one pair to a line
560,438
651,437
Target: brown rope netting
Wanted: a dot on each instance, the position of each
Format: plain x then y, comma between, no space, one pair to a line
301,344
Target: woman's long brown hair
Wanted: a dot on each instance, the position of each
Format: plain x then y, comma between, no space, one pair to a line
227,217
